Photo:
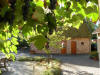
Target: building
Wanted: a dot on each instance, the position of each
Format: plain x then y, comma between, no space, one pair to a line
79,42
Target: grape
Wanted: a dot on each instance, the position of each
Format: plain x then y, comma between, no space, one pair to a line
9,17
87,0
25,8
68,3
46,36
1,19
45,4
12,2
0,5
53,4
77,0
25,12
51,22
50,31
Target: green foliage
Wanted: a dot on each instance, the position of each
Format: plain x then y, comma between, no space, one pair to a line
55,39
50,18
42,29
39,3
39,14
4,10
77,20
91,26
8,42
1,43
26,29
37,58
94,54
52,71
22,43
41,20
37,39
18,12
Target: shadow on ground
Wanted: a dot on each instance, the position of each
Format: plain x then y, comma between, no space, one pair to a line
82,59
25,68
19,68
77,73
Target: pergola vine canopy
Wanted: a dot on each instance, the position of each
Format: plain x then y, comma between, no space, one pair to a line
38,18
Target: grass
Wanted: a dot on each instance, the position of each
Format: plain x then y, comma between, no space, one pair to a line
52,71
24,58
42,61
36,58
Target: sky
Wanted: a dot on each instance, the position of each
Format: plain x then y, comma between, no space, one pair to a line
98,22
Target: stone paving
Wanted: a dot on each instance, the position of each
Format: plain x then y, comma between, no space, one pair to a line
71,65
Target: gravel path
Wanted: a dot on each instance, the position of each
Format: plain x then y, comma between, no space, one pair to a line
71,65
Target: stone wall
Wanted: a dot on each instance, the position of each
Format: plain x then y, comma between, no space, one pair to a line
83,46
53,50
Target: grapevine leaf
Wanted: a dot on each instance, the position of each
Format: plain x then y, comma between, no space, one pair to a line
14,41
4,10
13,48
7,50
39,41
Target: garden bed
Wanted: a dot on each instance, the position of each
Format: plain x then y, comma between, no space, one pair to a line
42,66
45,68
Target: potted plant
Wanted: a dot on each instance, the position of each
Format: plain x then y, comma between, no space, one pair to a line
94,56
63,50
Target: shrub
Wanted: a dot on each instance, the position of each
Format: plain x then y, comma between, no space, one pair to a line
94,54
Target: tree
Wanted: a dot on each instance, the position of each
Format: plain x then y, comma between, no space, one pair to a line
35,19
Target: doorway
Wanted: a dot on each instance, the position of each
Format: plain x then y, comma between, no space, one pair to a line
73,47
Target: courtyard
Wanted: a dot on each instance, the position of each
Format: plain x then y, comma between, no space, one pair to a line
70,64
49,37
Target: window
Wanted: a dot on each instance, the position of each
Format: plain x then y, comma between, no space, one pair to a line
82,43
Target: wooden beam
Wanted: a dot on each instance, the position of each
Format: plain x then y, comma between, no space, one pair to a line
97,36
99,8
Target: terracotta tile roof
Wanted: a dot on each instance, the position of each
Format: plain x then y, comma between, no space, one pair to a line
96,31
